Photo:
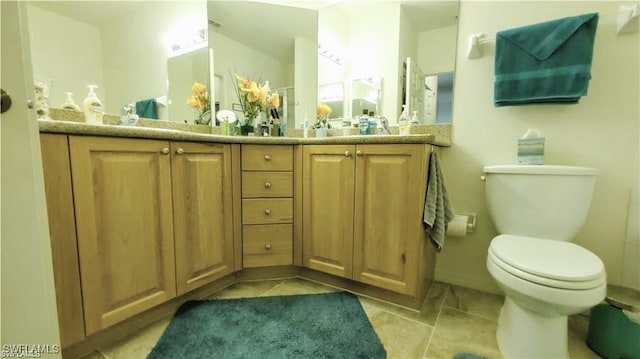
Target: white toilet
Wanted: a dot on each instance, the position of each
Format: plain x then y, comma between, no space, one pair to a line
537,211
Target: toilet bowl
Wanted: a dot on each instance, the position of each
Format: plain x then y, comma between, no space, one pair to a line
545,277
544,281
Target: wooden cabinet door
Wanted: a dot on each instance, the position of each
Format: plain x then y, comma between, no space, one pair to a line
124,222
388,212
203,213
62,230
327,195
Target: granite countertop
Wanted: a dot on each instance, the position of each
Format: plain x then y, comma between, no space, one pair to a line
152,129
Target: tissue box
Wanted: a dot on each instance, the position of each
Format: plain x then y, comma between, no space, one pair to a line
531,151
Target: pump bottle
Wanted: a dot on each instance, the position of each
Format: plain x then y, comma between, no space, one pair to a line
92,107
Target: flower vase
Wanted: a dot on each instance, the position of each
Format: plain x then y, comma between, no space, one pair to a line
204,118
321,132
246,129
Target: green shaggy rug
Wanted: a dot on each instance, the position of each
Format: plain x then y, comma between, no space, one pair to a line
331,325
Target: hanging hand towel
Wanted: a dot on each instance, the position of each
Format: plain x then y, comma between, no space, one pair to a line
147,109
549,62
438,211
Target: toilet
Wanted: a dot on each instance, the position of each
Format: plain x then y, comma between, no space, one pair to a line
545,278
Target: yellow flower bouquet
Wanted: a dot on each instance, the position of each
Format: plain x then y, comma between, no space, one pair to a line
199,100
254,98
322,115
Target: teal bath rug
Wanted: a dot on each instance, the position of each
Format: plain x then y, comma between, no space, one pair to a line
331,325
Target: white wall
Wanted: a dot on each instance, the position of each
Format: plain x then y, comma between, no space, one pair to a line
66,52
601,131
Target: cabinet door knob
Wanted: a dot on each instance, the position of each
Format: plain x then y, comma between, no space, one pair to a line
267,246
347,153
179,151
267,158
359,153
165,150
267,212
267,185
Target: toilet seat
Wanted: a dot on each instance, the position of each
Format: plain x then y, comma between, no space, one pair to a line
547,262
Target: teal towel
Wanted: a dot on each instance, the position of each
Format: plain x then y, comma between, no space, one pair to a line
147,109
549,62
438,211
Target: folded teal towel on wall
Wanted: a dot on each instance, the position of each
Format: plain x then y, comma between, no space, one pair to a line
147,109
438,211
549,62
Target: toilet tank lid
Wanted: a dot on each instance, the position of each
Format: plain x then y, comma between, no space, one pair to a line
542,170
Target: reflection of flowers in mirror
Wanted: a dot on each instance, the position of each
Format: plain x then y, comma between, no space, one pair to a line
322,114
199,100
255,97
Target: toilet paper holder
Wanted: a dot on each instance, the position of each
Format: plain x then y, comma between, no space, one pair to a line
461,225
471,222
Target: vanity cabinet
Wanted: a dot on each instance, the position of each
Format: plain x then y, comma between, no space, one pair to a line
202,213
362,213
267,205
153,219
62,231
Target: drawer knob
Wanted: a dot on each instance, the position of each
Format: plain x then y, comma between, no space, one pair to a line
165,151
359,153
347,153
267,246
179,151
267,185
267,212
267,158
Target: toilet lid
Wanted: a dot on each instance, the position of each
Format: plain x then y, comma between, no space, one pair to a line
548,262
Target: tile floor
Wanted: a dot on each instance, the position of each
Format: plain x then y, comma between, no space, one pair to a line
453,320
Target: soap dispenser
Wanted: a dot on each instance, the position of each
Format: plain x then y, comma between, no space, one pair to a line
69,104
414,119
92,107
403,122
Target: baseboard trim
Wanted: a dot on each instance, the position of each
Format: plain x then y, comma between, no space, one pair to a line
482,285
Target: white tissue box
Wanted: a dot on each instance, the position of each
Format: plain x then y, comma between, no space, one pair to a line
531,151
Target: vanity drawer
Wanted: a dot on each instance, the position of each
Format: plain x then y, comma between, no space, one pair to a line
267,184
267,245
265,211
267,158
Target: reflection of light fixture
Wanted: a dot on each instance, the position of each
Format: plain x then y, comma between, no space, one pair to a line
189,40
327,53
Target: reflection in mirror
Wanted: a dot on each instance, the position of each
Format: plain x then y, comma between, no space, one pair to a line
265,42
438,98
333,96
350,47
184,70
121,46
365,96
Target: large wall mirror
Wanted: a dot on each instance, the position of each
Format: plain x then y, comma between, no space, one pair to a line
133,50
265,42
374,41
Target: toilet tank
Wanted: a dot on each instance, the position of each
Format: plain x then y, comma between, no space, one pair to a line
539,201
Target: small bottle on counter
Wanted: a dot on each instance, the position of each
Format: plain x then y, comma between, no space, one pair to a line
363,122
403,122
414,119
69,104
92,107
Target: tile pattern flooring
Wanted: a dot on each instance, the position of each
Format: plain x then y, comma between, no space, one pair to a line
452,320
